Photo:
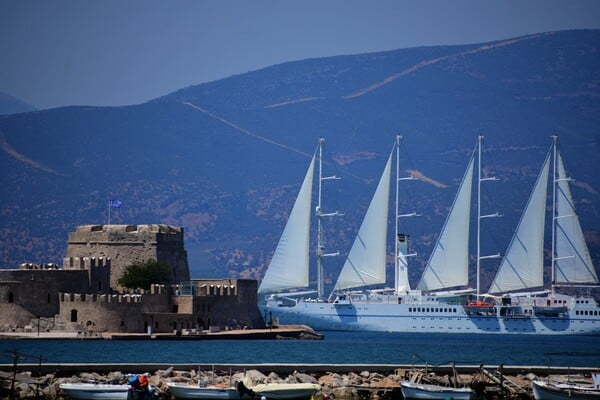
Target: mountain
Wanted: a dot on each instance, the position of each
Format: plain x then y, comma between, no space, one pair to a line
225,159
12,105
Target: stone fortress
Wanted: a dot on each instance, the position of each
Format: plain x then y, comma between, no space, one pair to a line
84,295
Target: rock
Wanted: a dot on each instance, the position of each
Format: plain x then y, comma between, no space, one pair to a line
93,377
165,373
273,377
305,378
530,376
342,392
255,376
365,374
330,380
116,377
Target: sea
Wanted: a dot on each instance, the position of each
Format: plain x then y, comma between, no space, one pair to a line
336,348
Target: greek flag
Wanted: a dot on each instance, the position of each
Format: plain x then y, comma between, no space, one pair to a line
114,203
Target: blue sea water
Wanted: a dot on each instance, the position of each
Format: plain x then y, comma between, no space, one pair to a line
336,348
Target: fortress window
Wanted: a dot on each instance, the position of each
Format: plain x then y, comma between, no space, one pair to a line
11,297
122,323
73,315
49,298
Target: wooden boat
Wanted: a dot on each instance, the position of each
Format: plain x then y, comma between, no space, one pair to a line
104,391
412,390
558,391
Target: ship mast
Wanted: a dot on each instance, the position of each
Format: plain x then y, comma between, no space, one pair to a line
479,216
398,258
554,182
320,215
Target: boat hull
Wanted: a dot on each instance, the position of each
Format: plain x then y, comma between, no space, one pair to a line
186,391
271,391
95,391
546,391
431,317
286,391
411,390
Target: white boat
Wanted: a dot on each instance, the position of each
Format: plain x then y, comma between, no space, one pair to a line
563,391
98,391
412,390
103,391
440,304
187,391
271,391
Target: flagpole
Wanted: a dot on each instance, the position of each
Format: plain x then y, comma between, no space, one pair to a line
109,212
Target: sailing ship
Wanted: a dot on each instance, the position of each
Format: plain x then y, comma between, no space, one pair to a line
442,302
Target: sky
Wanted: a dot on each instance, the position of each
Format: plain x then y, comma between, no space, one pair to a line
119,52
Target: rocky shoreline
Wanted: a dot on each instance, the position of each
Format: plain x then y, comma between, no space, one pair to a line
361,384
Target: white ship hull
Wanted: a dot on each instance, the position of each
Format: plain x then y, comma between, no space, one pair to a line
431,317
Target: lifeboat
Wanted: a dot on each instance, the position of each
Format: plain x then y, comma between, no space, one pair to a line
479,307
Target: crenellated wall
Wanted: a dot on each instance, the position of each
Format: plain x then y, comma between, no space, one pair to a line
114,313
32,291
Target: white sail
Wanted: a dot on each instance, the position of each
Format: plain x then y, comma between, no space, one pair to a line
448,265
573,263
289,266
366,261
523,264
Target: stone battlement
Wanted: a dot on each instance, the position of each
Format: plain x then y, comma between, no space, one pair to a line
32,266
99,298
86,262
126,233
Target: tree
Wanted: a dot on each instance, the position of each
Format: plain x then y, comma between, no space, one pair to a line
143,275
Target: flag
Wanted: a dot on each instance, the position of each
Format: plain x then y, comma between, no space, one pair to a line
114,203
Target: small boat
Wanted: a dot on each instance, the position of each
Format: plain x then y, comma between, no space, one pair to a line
478,306
285,391
270,391
104,391
187,391
412,390
557,391
137,388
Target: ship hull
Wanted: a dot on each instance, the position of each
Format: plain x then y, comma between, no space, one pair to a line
430,318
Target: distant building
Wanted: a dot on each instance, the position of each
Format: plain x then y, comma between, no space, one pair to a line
84,293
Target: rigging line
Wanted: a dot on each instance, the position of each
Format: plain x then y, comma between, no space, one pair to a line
245,131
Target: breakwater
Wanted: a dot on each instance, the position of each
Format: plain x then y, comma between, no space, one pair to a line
343,381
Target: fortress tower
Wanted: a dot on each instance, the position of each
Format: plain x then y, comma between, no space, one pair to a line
125,245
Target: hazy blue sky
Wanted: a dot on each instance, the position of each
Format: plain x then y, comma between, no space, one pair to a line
116,52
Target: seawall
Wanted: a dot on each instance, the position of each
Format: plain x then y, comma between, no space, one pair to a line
67,369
